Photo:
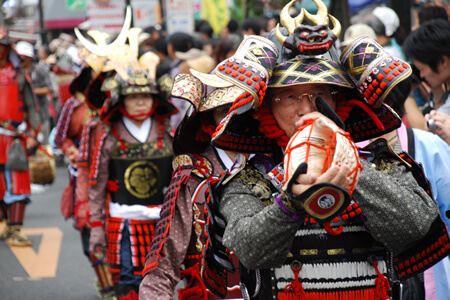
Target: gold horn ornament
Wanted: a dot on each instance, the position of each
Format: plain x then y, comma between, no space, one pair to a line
103,50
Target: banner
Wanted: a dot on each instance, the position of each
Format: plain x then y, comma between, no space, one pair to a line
216,13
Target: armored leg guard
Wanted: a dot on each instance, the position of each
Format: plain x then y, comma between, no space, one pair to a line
104,283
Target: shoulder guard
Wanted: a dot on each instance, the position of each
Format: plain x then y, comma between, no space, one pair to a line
385,157
200,165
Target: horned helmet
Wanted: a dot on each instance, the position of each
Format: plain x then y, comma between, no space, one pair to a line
314,38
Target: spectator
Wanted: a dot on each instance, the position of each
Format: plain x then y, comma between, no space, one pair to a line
386,24
432,37
357,30
227,47
178,42
432,12
42,87
251,26
232,27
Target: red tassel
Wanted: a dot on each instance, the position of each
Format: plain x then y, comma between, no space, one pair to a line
382,284
332,231
112,186
295,286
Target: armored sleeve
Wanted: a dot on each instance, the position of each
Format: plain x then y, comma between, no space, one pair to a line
397,210
160,281
259,235
99,173
30,104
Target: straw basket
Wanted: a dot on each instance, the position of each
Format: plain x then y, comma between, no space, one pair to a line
42,167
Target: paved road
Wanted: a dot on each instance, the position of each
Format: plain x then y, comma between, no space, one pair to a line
55,268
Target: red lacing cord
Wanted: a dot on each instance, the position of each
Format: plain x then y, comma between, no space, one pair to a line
382,284
269,126
192,291
296,286
331,230
344,109
205,131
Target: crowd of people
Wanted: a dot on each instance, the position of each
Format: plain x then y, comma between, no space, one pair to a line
276,160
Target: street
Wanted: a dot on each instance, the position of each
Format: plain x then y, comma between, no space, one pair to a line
55,266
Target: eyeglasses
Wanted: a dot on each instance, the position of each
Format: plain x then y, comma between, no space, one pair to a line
289,99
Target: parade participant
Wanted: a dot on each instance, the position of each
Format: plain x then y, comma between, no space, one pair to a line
280,229
180,236
131,164
19,126
77,126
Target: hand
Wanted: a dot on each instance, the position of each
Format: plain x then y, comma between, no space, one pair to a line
337,175
82,213
30,142
72,154
97,239
442,121
308,116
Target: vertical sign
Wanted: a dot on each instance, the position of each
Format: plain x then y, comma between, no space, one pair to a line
179,16
106,17
146,13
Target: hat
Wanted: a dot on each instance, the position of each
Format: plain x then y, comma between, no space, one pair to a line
204,63
374,71
313,37
241,81
357,30
309,70
388,17
24,49
143,36
190,54
133,74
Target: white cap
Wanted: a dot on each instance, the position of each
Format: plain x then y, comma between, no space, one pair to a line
24,48
388,17
356,30
190,54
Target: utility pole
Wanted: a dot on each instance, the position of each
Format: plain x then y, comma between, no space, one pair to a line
41,23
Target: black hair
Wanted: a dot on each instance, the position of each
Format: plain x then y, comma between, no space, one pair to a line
429,43
397,96
206,29
428,13
81,82
233,26
160,45
225,45
181,41
253,24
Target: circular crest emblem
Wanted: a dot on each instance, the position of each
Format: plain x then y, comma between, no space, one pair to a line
141,179
326,201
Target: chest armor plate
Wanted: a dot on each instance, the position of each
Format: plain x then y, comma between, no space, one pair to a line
142,173
10,100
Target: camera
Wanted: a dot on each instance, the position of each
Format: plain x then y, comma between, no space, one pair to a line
432,126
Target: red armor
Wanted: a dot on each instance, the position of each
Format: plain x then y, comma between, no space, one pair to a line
10,101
